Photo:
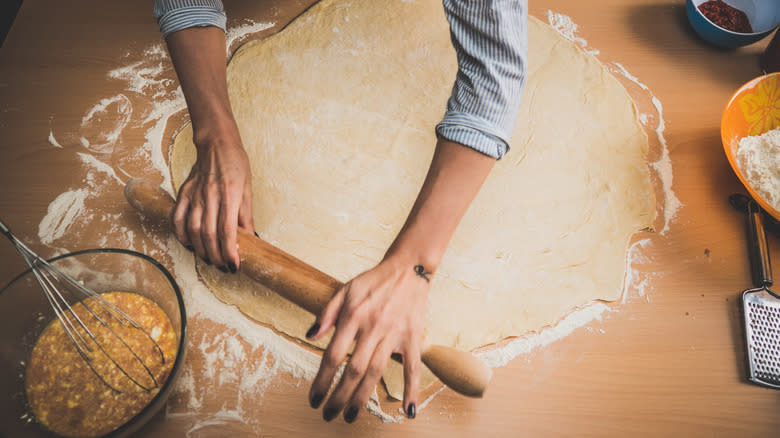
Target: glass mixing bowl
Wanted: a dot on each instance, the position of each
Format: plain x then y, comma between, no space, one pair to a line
25,312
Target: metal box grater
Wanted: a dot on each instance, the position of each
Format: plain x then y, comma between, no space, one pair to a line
760,306
762,332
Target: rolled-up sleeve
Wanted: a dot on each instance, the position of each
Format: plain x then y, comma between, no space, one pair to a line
173,15
491,42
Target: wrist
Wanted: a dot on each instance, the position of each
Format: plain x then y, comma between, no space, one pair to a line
414,259
217,133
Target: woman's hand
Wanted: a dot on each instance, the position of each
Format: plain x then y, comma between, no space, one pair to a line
382,310
215,199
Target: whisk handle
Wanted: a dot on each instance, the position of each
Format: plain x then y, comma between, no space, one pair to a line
758,247
7,233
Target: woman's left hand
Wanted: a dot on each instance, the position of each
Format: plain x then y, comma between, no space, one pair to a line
382,310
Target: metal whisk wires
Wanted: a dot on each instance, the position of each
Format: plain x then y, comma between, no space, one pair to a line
56,285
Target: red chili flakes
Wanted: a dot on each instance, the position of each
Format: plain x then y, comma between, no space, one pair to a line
726,16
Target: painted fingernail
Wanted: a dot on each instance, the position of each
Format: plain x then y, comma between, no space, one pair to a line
313,330
257,235
329,413
223,269
411,411
315,401
190,248
232,267
350,415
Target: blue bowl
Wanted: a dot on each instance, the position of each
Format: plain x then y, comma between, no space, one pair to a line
764,16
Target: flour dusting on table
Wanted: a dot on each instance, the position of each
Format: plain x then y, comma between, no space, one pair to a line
60,215
238,34
53,141
565,26
636,280
525,344
116,111
146,77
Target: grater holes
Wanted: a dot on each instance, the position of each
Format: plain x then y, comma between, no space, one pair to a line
763,338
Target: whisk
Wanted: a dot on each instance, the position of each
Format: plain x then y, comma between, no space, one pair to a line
56,285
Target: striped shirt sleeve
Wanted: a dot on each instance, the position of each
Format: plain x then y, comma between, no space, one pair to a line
174,15
491,42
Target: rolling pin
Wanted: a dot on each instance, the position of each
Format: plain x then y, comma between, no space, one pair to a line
311,289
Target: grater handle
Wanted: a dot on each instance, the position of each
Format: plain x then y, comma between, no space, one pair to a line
758,247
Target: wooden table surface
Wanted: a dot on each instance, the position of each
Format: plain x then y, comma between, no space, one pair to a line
666,362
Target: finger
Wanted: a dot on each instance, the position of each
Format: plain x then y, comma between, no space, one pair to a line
245,218
194,224
228,228
208,231
350,379
179,216
412,371
375,370
331,361
329,314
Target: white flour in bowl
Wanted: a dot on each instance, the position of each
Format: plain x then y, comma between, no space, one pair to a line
758,158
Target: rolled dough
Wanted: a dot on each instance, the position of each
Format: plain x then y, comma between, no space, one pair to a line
337,113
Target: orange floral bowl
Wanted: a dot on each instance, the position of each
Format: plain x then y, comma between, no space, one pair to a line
753,110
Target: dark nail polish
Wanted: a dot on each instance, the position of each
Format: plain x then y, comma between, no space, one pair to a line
329,413
257,235
350,415
190,248
232,267
223,269
411,411
315,401
208,262
313,330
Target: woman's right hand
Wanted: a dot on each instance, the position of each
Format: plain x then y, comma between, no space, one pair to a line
215,199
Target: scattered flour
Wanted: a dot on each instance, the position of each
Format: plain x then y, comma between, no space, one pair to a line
238,34
98,165
375,408
116,111
758,158
215,425
634,279
565,26
53,141
159,116
662,166
143,78
61,214
523,345
425,402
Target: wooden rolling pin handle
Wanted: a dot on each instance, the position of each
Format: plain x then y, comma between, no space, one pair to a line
311,288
